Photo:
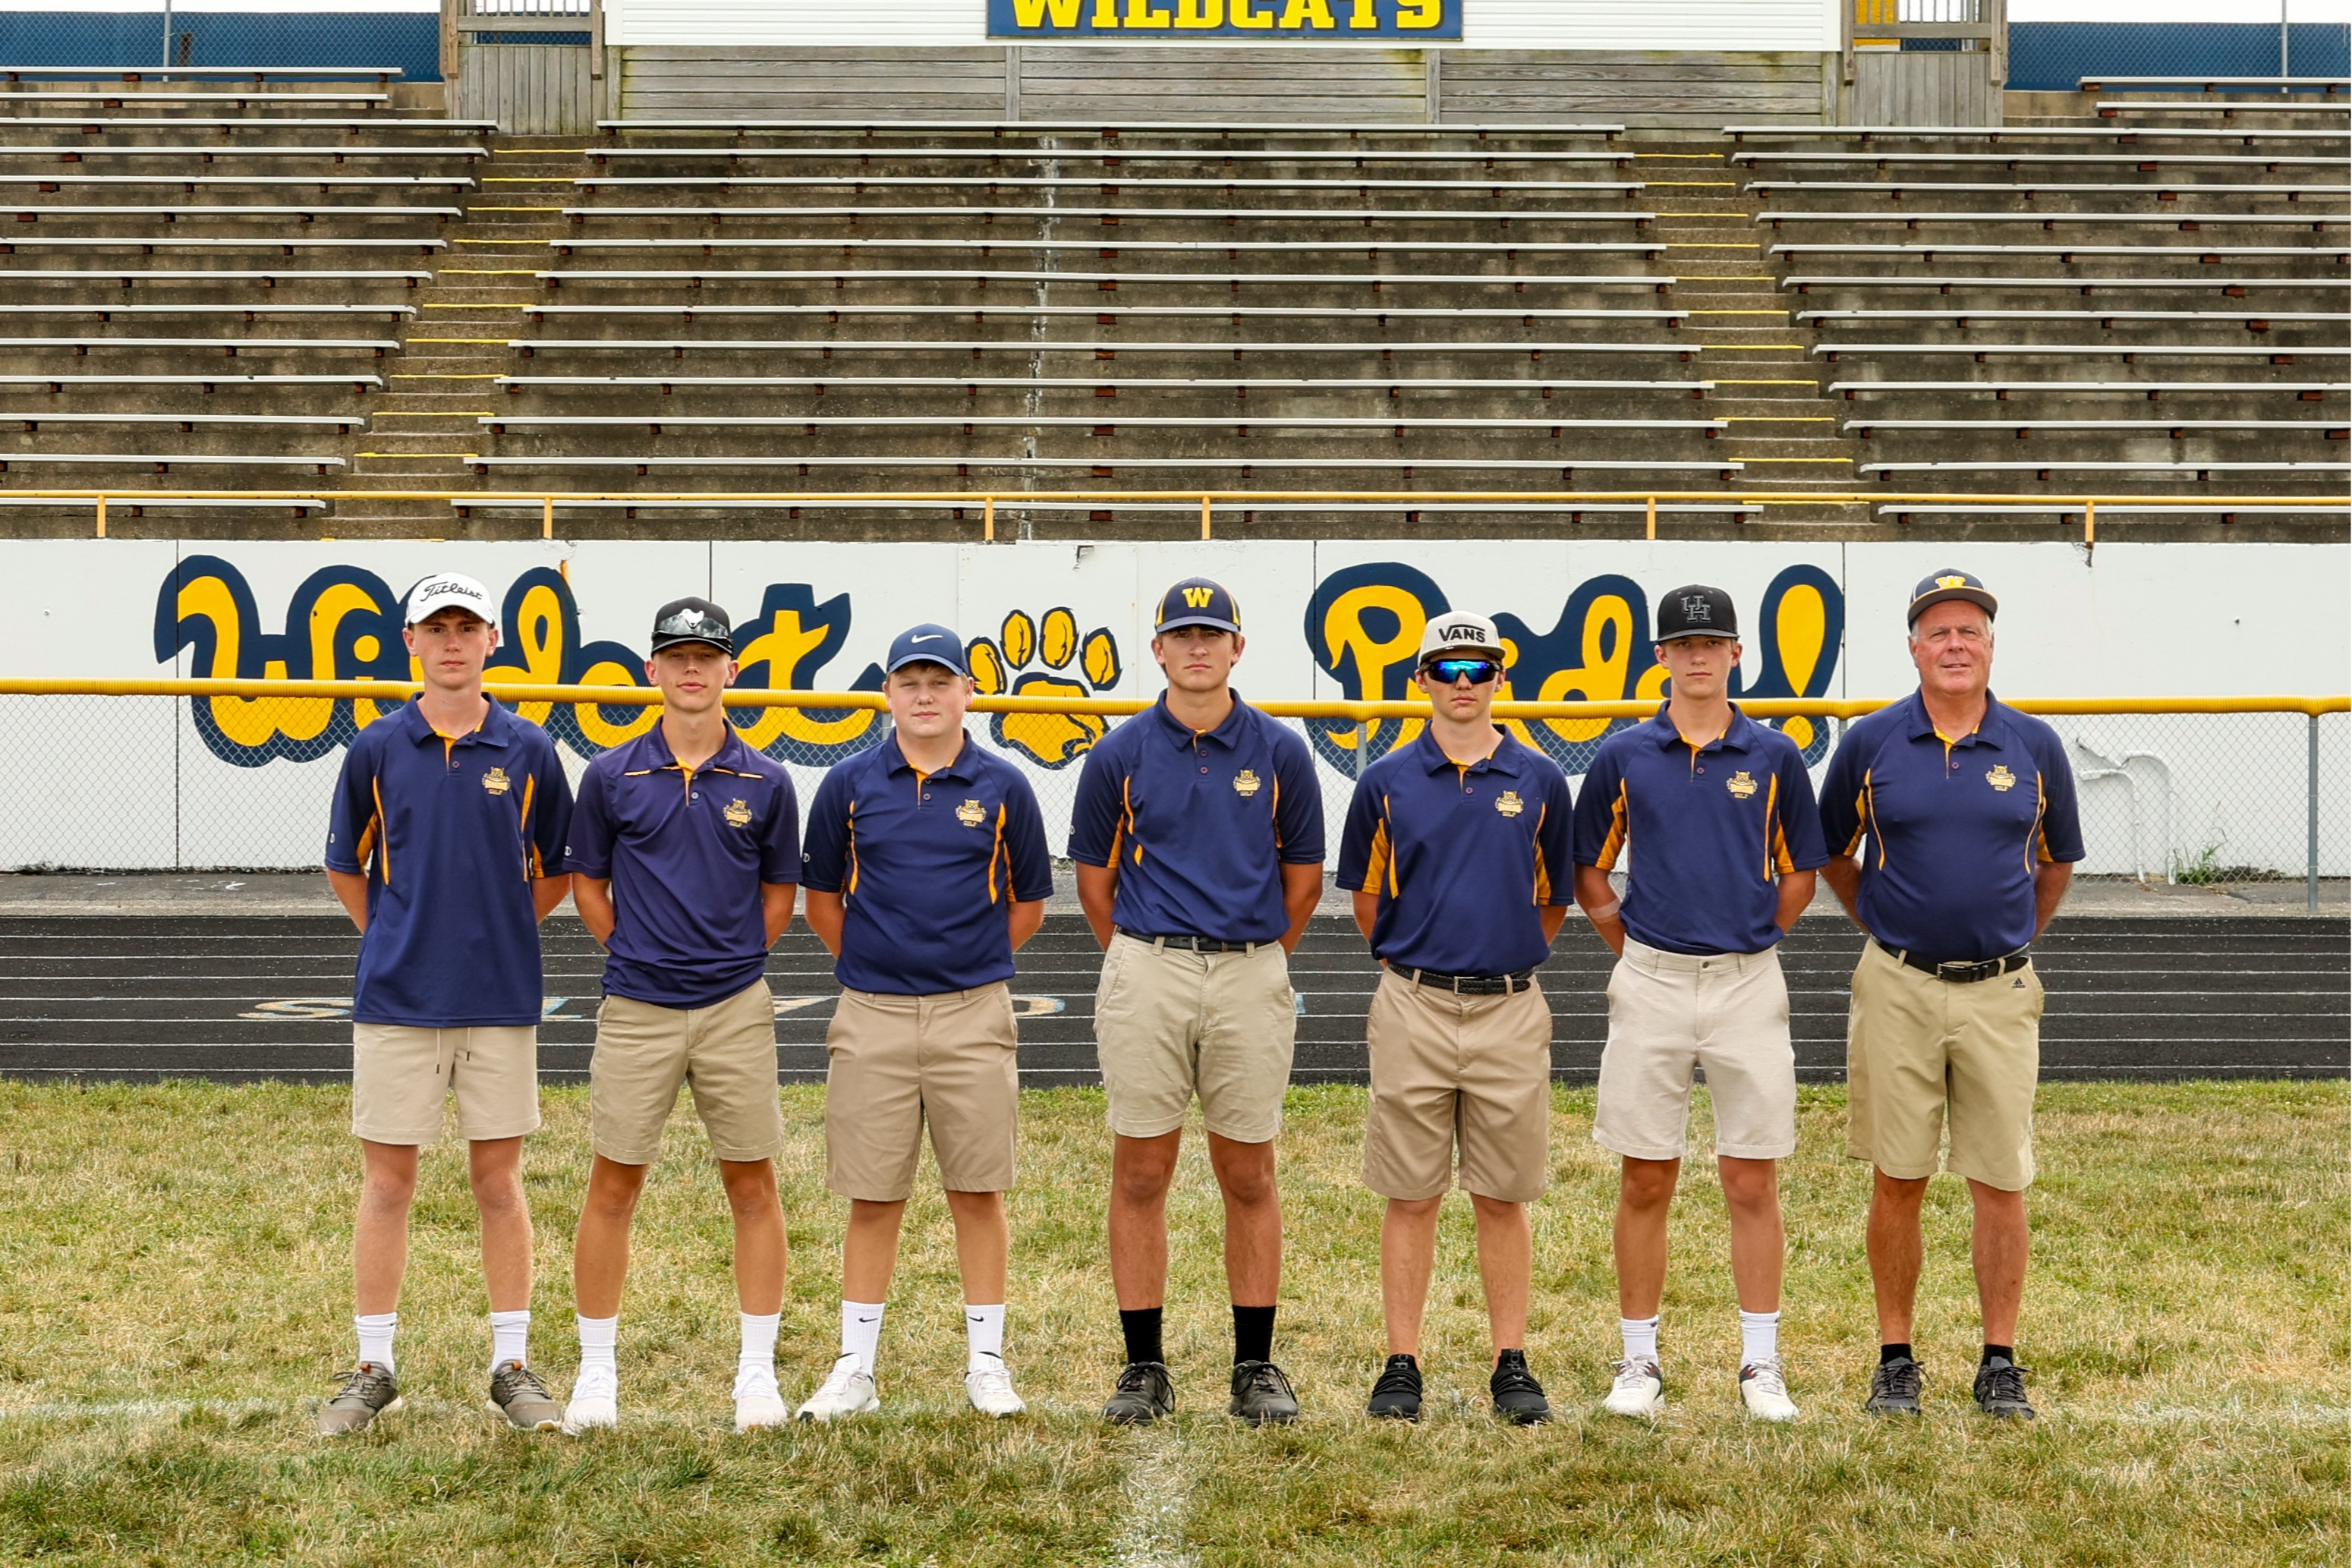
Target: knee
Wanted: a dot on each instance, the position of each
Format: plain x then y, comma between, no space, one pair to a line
497,1194
750,1192
1416,1210
1493,1212
1250,1186
1647,1184
1751,1192
1140,1183
388,1192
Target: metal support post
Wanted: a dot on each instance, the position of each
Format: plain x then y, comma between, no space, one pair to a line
1364,744
1205,516
167,38
988,520
2311,824
547,517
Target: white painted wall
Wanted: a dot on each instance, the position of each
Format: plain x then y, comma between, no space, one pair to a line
1709,25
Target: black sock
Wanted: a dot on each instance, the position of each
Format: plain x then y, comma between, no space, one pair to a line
2005,1352
1894,1353
1141,1328
1252,1333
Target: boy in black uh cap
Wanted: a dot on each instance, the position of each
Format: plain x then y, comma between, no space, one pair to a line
685,855
1718,814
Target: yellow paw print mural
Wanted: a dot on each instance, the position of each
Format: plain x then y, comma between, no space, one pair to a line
1072,665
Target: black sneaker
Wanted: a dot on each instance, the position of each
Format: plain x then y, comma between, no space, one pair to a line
2001,1390
1519,1398
516,1393
1262,1395
1143,1395
369,1392
1396,1393
1894,1388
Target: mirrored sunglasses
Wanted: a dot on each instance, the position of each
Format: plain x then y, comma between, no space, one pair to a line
1479,671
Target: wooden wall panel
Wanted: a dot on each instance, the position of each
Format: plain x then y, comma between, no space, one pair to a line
532,89
1687,90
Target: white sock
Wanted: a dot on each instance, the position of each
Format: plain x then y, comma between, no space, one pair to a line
983,1332
861,1331
598,1339
1759,1337
510,1338
1640,1336
376,1330
755,1363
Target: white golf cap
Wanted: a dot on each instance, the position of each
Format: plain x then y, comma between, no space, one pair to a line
447,591
1460,633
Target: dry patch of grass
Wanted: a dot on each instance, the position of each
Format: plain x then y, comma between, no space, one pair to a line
173,1296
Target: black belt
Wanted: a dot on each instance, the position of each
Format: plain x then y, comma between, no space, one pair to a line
1469,985
1960,971
1193,943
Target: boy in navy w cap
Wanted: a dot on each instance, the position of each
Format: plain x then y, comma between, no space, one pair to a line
1718,814
1198,835
927,868
684,854
445,845
1457,849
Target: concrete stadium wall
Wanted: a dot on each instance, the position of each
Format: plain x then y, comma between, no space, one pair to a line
225,782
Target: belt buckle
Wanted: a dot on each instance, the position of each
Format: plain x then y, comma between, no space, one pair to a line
1964,972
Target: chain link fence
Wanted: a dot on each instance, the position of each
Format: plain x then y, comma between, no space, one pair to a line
2256,804
157,39
2054,56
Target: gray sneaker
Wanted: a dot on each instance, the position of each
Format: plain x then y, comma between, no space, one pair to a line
1894,1388
1262,1395
2001,1390
369,1392
516,1393
1143,1395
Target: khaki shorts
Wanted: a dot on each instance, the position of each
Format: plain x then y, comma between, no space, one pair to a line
895,1063
401,1077
727,1051
1448,1070
1170,1023
1915,1044
1672,1012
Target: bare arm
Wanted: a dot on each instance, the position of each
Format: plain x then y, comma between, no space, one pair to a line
1593,893
1844,875
1021,919
2050,883
1098,886
1302,890
776,908
546,892
1796,893
824,915
1553,917
592,897
1368,909
351,889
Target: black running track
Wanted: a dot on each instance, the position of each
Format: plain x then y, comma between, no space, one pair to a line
254,998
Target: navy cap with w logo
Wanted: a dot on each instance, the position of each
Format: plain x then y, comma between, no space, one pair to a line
1197,601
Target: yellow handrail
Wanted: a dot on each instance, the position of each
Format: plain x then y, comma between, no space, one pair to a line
642,696
986,502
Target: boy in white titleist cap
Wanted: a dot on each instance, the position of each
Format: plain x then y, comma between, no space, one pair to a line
926,869
445,846
1720,816
685,852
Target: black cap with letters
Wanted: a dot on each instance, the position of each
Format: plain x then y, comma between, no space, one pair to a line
1696,611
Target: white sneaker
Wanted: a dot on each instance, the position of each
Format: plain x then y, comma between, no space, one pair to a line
989,1389
847,1390
758,1402
1639,1391
595,1400
1764,1392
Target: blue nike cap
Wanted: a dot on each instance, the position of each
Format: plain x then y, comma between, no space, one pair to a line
1197,601
929,643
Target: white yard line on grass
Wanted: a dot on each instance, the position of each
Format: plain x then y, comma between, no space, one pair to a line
1159,1496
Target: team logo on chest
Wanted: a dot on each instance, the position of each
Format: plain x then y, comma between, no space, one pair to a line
969,814
1509,803
497,782
1741,784
737,814
2001,778
1246,783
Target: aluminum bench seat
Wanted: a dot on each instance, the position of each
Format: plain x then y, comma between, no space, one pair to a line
1776,217
499,424
2331,472
1025,127
199,73
164,462
2280,83
78,381
1806,282
1145,182
156,99
2204,254
1527,314
2116,108
484,463
35,420
268,278
2002,390
1368,249
2021,428
377,346
695,280
307,214
1129,155
2275,352
1103,349
289,243
250,312
2161,190
323,183
2027,133
2148,162
94,124
77,153
1964,317
1397,385
1125,214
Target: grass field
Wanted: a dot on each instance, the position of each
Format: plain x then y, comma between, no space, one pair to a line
173,1299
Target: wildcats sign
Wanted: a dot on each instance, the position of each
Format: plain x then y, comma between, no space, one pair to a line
1262,20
